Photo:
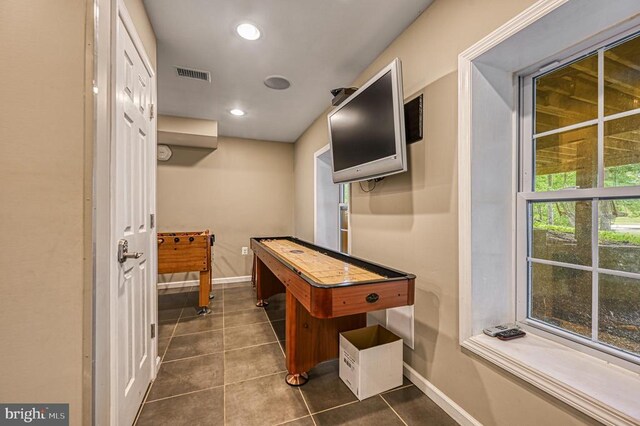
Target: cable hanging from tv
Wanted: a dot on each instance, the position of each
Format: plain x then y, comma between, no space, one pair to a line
370,188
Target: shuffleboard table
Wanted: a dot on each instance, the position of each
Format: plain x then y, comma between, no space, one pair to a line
326,293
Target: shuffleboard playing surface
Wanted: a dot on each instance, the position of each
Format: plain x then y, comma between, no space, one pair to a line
318,266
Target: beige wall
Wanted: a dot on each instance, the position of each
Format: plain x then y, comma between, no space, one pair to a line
409,221
42,217
46,135
143,27
241,190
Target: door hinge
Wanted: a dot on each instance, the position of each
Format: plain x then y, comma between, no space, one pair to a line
153,331
151,111
152,220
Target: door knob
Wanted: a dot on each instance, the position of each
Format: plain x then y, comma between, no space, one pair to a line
123,252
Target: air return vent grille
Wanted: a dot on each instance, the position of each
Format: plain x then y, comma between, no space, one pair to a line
195,74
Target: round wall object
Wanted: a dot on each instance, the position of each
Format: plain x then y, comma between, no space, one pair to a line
164,153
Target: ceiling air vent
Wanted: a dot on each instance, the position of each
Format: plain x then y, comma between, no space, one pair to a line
195,74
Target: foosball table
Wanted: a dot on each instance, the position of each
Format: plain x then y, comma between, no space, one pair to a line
188,252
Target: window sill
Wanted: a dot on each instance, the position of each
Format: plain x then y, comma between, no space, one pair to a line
606,392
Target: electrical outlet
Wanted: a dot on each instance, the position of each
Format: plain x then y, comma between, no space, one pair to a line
245,250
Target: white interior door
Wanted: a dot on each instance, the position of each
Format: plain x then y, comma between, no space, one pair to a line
133,187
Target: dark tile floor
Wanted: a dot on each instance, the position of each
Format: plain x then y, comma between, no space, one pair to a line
227,368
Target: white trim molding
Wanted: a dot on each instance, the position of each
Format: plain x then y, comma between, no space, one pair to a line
231,280
456,412
488,164
195,283
317,154
590,391
465,129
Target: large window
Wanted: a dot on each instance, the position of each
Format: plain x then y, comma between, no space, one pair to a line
579,199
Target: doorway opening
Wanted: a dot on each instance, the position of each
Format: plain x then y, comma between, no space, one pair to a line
331,206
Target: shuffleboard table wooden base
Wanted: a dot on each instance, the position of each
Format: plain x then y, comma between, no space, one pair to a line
326,293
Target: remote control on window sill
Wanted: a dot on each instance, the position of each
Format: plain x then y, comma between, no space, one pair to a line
514,333
492,331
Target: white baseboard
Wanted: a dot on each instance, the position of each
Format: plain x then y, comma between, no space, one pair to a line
230,280
178,284
195,283
443,401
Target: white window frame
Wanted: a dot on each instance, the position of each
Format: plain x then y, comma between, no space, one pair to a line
488,135
344,203
527,193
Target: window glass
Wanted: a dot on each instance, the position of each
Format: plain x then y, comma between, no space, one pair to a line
619,318
567,160
562,231
619,235
622,151
567,96
622,77
594,163
561,297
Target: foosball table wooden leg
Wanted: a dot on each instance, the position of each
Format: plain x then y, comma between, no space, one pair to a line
205,292
204,310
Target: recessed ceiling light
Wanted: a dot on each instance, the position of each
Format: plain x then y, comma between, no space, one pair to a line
248,31
237,112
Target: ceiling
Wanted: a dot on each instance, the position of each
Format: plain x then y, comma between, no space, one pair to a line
317,45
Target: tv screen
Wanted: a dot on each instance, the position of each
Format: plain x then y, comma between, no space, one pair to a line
367,130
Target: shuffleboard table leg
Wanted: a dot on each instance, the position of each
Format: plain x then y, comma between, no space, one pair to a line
311,340
253,270
266,283
297,379
299,342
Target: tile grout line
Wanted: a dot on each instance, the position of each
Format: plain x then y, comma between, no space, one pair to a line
247,310
198,332
395,412
397,389
193,356
221,313
285,357
222,351
183,394
253,323
257,377
293,420
173,332
276,334
307,405
145,400
252,346
333,408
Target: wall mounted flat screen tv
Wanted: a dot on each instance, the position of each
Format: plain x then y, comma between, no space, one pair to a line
366,131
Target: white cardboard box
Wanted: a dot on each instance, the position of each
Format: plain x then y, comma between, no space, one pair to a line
370,360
